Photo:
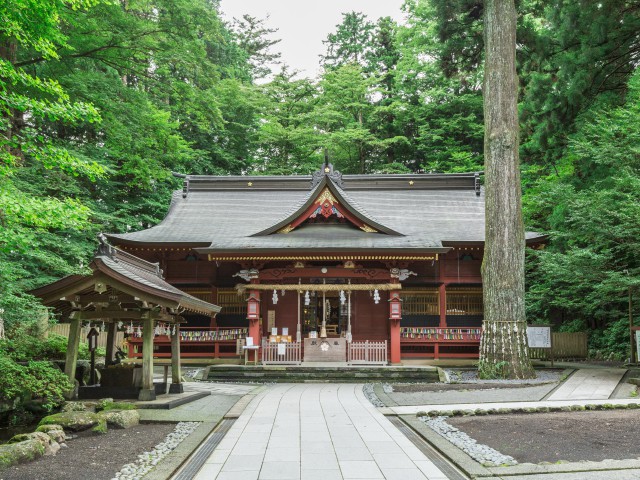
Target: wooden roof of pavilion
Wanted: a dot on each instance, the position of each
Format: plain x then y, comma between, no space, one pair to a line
121,286
407,214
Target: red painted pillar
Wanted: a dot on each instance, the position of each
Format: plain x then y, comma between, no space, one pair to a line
395,315
253,315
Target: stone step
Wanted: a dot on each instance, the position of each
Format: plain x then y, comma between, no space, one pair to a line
297,374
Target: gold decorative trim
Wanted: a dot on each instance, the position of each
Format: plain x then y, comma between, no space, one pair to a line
325,257
320,287
368,229
326,195
286,229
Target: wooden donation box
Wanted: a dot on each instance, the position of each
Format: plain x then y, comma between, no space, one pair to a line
325,350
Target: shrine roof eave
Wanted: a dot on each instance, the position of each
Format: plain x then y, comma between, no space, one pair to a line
531,238
129,274
323,253
122,239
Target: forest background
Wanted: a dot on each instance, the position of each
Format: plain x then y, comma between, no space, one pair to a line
101,100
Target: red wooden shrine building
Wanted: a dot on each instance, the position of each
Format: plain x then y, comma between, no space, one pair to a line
345,259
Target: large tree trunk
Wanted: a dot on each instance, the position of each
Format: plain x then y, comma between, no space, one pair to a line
503,349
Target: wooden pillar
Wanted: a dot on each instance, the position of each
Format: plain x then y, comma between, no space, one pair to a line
148,391
395,315
176,373
442,295
112,330
73,343
253,315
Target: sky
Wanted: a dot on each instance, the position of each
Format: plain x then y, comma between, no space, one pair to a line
303,24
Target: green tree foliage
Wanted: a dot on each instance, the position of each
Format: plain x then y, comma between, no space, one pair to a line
592,210
100,101
254,38
350,43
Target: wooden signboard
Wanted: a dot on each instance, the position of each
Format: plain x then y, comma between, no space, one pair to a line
271,320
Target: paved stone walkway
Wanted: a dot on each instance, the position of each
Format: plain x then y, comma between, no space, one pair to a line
589,384
316,431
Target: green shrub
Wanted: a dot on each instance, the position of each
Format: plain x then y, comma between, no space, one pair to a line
38,380
612,343
22,346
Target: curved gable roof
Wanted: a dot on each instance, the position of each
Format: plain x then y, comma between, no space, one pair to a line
337,198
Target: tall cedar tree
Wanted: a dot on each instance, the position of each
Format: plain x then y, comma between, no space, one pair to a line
503,349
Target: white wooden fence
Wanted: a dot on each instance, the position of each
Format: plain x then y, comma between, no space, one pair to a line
281,353
367,353
63,329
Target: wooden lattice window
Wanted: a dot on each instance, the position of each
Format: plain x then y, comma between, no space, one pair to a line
201,293
464,301
420,301
231,302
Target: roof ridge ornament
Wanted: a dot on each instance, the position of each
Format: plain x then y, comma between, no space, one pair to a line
327,171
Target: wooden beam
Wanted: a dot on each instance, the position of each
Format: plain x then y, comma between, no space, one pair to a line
111,343
107,315
176,374
148,391
73,344
97,298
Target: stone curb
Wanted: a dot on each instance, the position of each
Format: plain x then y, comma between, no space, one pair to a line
456,456
170,465
472,468
516,407
165,469
521,410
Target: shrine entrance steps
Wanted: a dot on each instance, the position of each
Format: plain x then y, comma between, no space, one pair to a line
320,373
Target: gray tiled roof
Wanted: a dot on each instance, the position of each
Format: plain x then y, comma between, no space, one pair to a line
142,274
224,214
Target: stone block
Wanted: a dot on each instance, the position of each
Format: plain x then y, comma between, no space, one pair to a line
121,418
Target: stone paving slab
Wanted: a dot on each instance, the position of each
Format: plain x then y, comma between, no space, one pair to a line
316,431
591,384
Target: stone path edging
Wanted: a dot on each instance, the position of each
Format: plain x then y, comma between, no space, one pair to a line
414,409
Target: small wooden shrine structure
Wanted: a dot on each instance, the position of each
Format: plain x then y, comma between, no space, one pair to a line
129,293
325,263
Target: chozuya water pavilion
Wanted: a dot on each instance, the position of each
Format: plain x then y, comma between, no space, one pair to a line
327,267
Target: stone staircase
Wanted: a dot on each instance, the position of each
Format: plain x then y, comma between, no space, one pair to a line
320,374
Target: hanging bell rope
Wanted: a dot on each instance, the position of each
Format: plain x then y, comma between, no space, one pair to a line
320,287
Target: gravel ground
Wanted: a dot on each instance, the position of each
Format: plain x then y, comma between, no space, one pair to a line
561,436
483,454
469,389
93,456
471,376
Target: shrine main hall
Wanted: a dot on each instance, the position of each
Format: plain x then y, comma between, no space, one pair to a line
312,266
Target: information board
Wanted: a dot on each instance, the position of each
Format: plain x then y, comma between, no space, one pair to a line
638,346
539,337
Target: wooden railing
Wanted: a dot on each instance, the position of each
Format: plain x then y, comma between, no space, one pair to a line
367,353
437,334
434,342
281,353
195,342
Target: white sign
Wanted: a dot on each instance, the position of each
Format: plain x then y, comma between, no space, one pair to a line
313,334
285,331
274,331
638,345
282,348
539,337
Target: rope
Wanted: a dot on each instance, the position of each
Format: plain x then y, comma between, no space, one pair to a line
320,287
